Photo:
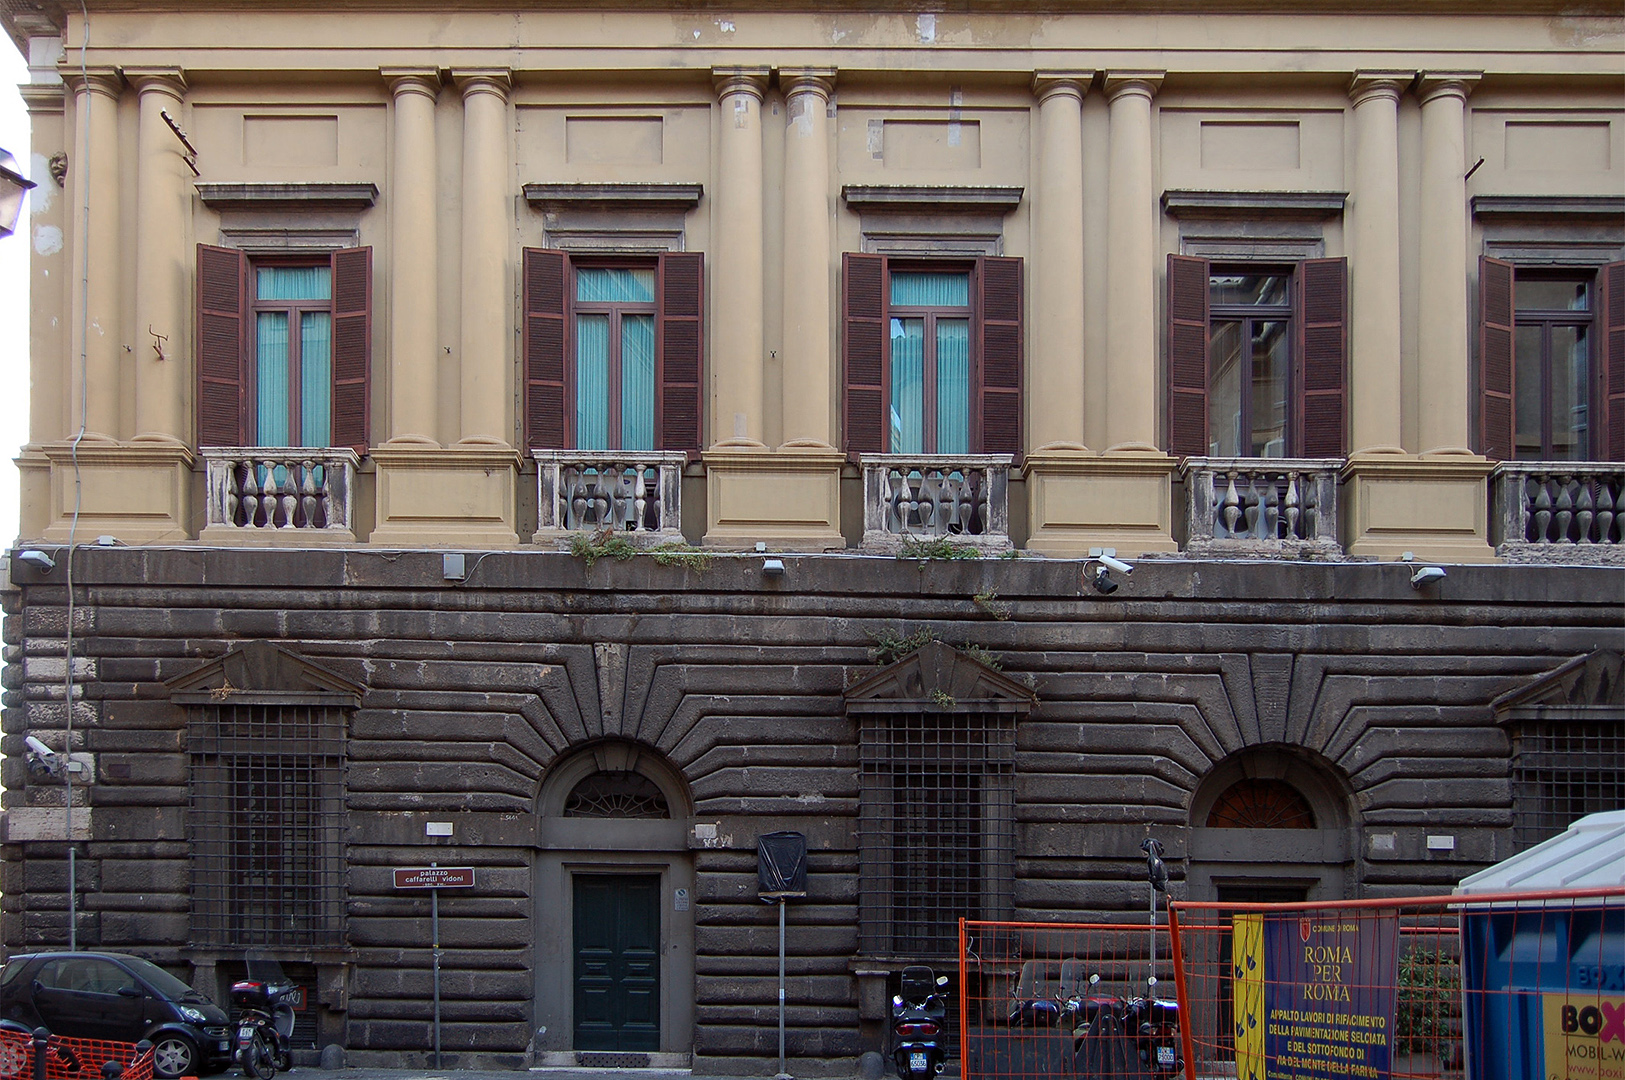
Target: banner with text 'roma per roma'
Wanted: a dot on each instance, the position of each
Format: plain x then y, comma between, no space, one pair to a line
1314,994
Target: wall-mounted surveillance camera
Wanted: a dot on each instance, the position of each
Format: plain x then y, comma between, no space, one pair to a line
38,747
1427,574
1103,583
35,557
1114,563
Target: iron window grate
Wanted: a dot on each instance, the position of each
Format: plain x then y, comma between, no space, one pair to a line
1563,770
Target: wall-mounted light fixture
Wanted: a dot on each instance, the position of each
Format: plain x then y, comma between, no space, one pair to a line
773,567
36,557
1426,575
13,186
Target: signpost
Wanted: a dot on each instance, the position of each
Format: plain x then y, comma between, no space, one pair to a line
435,877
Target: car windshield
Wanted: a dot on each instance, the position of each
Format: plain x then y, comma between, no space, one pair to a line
159,979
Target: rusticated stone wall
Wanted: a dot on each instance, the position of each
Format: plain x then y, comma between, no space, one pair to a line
473,690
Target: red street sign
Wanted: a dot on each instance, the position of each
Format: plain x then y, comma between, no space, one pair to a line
434,877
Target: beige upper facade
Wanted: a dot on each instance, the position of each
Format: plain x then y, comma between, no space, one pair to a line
749,166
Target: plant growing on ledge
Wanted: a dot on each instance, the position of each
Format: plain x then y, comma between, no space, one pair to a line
891,645
677,553
590,547
988,600
939,548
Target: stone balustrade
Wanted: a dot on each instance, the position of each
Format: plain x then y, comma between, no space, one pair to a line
1261,506
1559,511
962,498
627,492
262,492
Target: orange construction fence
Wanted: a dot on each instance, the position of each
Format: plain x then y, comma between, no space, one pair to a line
1516,986
71,1058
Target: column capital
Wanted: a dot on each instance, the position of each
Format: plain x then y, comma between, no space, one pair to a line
1437,84
1138,83
1374,85
105,81
403,81
494,81
820,81
169,81
740,80
1046,84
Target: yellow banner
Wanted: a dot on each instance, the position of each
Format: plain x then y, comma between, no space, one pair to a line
1584,1036
1247,960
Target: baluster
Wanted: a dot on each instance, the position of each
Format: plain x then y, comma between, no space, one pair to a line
1311,507
575,487
1292,510
232,500
603,497
931,502
1584,512
958,510
620,496
1230,507
895,501
643,477
1605,512
1252,505
1270,527
286,491
251,494
307,489
1565,510
914,489
1542,516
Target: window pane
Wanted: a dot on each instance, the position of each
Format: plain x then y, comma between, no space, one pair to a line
1526,404
271,379
1271,361
315,378
1569,394
1536,294
1248,289
1224,389
953,386
914,288
293,282
908,386
615,285
637,382
592,382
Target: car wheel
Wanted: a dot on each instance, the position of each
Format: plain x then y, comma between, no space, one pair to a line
172,1056
14,1061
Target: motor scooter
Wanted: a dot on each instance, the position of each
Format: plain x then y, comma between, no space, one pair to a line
918,1013
264,1003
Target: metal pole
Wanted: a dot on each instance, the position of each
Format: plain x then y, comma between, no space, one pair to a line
782,1071
434,920
1151,983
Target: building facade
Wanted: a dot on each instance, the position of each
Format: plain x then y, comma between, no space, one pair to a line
548,441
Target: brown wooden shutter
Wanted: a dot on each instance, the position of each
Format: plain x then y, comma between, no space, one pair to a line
546,304
352,347
1322,357
1613,361
1495,359
863,337
998,388
678,351
222,299
1187,355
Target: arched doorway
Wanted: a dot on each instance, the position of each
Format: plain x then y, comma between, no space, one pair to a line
614,967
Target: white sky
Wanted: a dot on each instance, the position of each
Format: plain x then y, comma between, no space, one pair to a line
13,293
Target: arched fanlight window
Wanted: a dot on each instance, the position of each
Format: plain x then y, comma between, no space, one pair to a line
616,795
1261,804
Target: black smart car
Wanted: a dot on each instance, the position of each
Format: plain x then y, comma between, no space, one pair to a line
113,996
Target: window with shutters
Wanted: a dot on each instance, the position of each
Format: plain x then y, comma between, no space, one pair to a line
612,351
284,349
1552,362
1257,356
932,354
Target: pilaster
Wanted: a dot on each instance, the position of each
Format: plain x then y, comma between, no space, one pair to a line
736,267
487,308
413,300
808,354
161,351
94,325
1131,329
1055,374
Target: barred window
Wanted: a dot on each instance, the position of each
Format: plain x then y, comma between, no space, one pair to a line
1562,770
936,832
267,825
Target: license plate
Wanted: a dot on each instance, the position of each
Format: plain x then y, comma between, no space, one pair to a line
1165,1057
916,1061
225,1046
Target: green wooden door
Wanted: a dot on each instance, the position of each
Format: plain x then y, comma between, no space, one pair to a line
617,962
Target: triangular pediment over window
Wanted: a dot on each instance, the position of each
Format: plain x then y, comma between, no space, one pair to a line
263,673
940,677
1587,683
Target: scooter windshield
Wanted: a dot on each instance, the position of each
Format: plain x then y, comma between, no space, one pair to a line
264,967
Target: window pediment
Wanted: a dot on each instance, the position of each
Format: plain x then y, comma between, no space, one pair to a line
263,673
1593,681
931,676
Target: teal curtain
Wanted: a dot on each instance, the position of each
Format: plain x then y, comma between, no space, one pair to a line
908,386
615,285
273,380
914,288
637,382
592,382
315,378
271,392
953,386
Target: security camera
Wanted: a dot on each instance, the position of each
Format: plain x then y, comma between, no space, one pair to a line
1103,583
39,748
1427,574
1116,564
35,557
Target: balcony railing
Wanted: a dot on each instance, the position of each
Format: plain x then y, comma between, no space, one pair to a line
962,498
630,492
1261,506
1560,511
281,491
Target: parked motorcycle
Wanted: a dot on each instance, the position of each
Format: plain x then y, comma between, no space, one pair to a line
1122,1037
917,1018
265,1005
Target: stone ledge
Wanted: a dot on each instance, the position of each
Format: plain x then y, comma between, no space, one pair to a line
287,197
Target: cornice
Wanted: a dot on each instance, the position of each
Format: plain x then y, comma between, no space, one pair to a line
1550,207
930,198
287,197
682,197
1301,205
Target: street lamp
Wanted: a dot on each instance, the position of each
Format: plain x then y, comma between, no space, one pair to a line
13,186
